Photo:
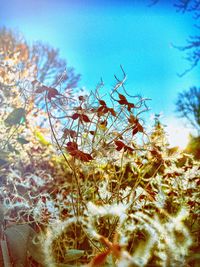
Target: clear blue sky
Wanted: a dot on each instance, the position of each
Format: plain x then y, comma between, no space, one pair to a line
97,36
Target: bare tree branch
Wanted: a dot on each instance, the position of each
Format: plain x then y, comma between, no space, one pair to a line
192,46
188,106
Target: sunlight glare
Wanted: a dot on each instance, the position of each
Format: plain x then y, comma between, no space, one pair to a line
177,134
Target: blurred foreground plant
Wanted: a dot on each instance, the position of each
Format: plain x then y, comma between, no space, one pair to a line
128,195
104,192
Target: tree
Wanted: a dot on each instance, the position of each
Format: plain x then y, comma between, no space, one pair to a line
192,46
188,106
37,61
20,65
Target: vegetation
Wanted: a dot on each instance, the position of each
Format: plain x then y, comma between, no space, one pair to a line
188,101
89,186
188,107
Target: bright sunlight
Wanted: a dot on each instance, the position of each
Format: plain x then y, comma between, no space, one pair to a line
177,134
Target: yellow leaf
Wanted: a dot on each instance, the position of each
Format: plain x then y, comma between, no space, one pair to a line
40,137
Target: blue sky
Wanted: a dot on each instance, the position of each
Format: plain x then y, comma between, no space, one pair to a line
97,36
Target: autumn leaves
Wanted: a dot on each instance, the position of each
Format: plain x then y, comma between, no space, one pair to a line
73,150
91,125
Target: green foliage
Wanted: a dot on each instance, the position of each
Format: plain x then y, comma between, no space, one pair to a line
17,116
